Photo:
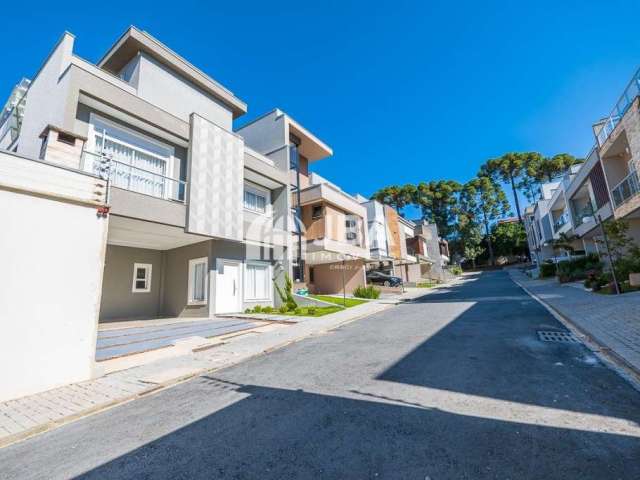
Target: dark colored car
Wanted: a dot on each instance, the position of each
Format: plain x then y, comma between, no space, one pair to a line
380,278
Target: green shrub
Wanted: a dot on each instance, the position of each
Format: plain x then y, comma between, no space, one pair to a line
311,310
630,263
547,270
286,293
247,310
456,269
267,309
578,268
291,306
298,310
283,309
366,292
257,309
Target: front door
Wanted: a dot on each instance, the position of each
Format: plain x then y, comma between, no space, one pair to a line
227,286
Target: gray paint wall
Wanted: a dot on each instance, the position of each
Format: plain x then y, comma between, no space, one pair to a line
265,134
118,301
169,279
47,98
162,87
177,280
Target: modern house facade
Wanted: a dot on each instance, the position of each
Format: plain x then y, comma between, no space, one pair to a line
328,238
198,220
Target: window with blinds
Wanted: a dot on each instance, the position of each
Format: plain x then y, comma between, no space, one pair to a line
257,282
197,287
256,200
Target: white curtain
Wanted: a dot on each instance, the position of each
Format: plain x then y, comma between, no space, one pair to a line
257,282
136,170
199,276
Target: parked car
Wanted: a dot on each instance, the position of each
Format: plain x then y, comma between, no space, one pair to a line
380,278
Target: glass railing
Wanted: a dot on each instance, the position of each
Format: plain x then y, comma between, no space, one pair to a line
627,188
627,97
561,221
584,215
132,178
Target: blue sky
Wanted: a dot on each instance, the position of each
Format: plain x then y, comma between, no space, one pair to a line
402,91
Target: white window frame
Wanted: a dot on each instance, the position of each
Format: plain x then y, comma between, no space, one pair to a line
259,191
91,145
269,286
192,264
147,268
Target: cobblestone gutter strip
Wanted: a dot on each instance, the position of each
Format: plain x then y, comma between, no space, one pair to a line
13,431
598,346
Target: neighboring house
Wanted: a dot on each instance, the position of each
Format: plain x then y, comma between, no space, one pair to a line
400,247
329,243
198,221
618,148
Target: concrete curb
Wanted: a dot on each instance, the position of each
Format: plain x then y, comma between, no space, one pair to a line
45,427
608,356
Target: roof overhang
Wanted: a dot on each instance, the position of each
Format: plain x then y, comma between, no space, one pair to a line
310,146
133,41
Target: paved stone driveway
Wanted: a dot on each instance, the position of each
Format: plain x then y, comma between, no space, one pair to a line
613,321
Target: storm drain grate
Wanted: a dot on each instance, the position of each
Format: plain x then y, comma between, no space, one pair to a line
562,337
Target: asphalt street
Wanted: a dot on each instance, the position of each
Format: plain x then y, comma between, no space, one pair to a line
456,385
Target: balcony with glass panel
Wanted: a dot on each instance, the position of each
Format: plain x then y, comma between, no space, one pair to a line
132,162
626,189
608,125
129,175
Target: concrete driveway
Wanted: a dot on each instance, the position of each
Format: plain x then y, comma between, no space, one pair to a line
457,385
119,340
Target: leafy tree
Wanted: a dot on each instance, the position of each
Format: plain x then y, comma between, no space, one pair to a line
564,242
508,168
529,183
618,238
469,238
509,238
548,169
483,200
396,196
438,201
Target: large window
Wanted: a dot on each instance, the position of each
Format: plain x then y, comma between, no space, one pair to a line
257,281
197,287
256,199
138,163
141,278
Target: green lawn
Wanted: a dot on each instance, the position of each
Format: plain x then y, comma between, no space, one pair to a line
351,302
426,284
317,311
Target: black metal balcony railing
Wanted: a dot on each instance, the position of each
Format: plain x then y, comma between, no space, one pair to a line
135,179
626,189
624,102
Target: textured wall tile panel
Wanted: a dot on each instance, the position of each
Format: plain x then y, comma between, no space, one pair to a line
216,161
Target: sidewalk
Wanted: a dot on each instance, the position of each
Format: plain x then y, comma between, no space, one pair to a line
612,322
30,415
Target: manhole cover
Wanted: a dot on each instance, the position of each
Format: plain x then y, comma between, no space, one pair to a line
562,337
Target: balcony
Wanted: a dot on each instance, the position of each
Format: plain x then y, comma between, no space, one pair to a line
560,222
584,215
132,178
626,99
626,189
